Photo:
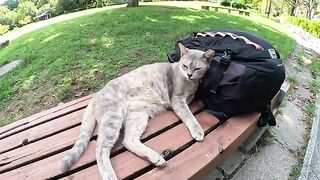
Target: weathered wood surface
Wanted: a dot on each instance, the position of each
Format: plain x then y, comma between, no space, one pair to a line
33,147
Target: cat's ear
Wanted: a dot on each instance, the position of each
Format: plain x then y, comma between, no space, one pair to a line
183,49
208,55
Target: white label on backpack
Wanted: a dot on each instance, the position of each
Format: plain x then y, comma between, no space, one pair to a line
273,53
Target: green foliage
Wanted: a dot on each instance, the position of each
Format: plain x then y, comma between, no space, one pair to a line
295,171
16,13
11,4
3,29
44,8
315,66
310,26
26,8
8,17
239,5
314,85
25,20
255,4
225,3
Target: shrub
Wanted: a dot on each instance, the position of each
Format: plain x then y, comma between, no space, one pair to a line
8,17
239,6
225,3
26,8
45,8
3,28
25,20
311,26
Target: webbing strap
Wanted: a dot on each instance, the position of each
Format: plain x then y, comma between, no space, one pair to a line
218,74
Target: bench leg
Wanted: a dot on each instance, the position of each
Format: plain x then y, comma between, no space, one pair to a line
205,8
216,9
229,10
247,13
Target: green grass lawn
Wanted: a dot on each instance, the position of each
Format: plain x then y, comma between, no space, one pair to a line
73,58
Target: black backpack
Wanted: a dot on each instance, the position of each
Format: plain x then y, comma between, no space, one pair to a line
244,76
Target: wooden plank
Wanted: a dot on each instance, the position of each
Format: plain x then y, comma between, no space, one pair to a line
43,116
41,131
38,169
125,164
21,156
48,167
202,157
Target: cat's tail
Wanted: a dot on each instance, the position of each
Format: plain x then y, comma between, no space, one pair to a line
87,127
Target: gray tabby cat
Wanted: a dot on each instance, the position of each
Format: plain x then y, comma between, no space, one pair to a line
131,99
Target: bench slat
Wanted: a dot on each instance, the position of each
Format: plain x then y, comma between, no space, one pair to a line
44,147
67,138
41,131
126,164
202,157
48,167
38,169
43,116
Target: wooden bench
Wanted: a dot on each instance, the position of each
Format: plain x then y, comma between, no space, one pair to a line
33,147
241,11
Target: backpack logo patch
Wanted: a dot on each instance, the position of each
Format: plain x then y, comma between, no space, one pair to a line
273,53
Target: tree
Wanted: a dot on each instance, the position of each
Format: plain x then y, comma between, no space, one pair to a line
309,6
8,17
12,4
133,3
293,4
26,8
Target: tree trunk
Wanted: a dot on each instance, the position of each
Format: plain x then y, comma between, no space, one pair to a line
133,3
269,11
266,10
309,13
292,10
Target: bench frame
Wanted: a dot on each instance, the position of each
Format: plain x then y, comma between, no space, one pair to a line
33,147
206,7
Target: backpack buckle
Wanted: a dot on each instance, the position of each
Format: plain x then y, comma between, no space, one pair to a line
225,59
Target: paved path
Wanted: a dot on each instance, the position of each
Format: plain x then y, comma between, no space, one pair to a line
37,25
8,67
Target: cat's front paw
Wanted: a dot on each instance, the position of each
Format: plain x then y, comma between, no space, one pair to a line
197,133
158,160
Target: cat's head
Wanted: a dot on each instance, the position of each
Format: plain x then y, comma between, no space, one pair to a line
194,63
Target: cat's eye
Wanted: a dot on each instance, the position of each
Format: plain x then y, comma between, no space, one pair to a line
196,69
185,66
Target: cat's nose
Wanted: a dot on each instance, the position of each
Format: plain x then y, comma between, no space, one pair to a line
189,75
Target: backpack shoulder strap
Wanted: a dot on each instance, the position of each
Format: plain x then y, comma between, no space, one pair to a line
218,73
